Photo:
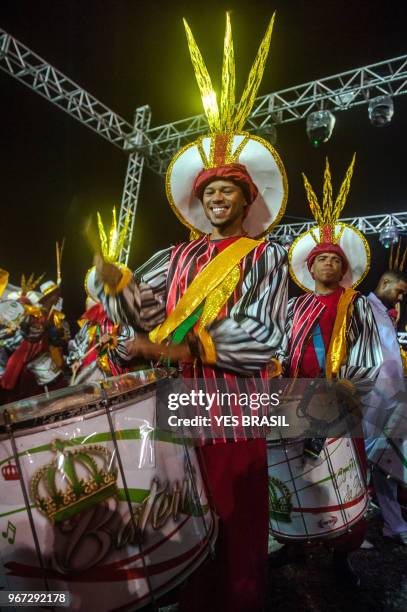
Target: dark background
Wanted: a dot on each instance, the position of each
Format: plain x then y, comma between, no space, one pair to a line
55,171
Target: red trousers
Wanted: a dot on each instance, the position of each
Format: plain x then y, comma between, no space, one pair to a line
236,580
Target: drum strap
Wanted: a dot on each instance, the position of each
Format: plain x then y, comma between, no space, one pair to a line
319,347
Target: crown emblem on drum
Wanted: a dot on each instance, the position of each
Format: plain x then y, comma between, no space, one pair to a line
75,480
280,505
10,472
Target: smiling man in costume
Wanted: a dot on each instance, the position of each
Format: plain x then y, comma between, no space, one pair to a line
217,305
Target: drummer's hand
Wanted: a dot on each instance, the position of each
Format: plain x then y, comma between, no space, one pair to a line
107,272
105,338
346,386
143,347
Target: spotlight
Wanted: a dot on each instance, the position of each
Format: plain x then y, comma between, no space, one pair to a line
286,240
381,111
389,235
268,132
320,126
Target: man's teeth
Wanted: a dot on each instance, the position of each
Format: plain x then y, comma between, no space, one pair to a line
219,209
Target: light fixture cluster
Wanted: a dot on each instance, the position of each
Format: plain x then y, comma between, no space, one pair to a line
320,124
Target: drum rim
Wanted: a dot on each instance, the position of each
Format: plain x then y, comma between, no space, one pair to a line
98,396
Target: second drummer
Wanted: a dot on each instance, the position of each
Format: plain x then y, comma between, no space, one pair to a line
330,330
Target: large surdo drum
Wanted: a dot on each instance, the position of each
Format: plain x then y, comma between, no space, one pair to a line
95,500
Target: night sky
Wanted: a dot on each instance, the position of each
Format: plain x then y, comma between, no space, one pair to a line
55,171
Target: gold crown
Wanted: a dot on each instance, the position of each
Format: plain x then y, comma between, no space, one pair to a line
280,505
75,480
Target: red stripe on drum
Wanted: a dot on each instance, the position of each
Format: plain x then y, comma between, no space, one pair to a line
320,534
175,580
320,509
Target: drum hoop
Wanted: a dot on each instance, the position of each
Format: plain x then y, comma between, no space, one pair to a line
83,412
52,416
329,534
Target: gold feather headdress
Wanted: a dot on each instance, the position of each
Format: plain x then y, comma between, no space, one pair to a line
327,214
30,283
227,119
227,143
111,244
330,231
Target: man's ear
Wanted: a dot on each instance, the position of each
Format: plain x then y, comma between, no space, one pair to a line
312,272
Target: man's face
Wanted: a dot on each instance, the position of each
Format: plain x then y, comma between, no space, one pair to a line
393,292
327,268
223,202
51,300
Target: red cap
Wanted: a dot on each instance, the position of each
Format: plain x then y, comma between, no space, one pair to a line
231,172
327,247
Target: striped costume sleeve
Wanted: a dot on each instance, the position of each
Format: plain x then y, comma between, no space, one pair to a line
120,355
364,354
283,352
78,346
250,336
142,303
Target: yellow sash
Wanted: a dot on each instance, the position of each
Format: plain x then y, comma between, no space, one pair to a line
203,285
337,351
404,360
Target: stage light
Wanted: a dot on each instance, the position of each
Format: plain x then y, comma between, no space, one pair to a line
286,240
389,235
320,125
268,132
381,111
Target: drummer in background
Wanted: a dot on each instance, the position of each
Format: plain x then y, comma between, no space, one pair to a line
13,304
99,348
216,305
385,301
327,262
36,364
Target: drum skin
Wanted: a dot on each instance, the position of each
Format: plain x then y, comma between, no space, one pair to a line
81,513
314,498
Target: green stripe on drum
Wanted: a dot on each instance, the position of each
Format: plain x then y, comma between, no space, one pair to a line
121,435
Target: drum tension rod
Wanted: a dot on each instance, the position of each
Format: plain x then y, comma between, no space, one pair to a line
106,404
9,429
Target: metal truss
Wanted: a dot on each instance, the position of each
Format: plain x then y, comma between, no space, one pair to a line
156,146
336,93
339,92
368,225
133,180
24,65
